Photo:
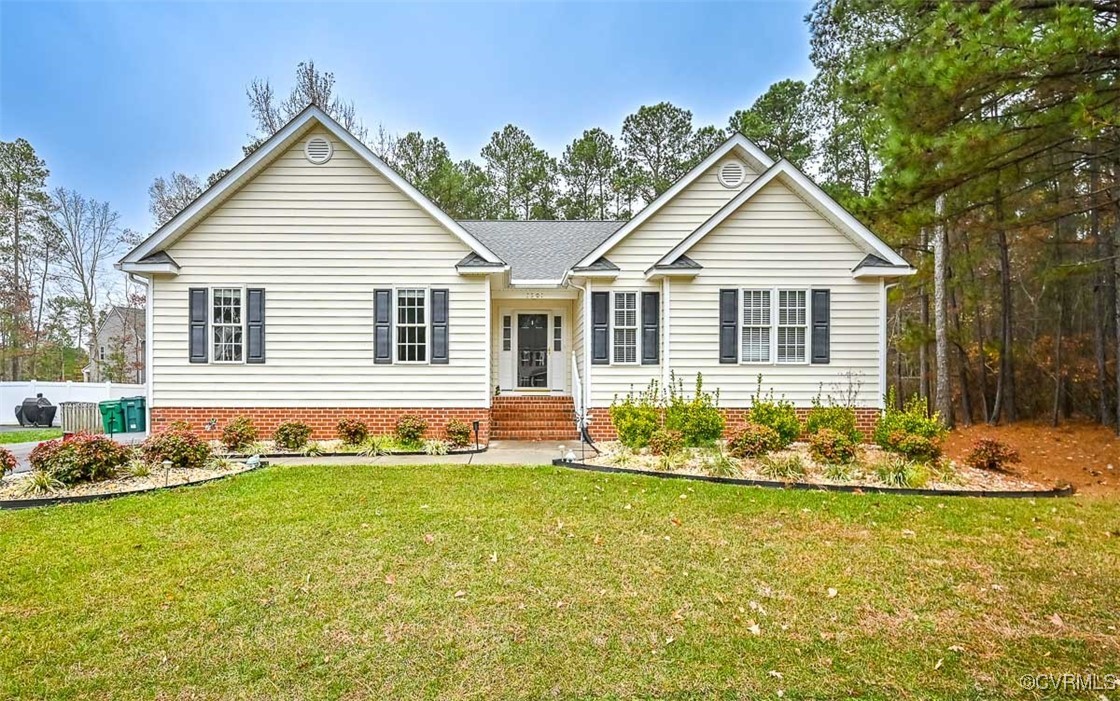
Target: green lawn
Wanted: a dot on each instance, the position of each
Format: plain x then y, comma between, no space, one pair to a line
504,582
27,435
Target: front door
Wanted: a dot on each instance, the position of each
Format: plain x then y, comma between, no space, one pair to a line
532,351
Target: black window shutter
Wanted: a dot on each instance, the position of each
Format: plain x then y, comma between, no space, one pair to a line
600,328
821,301
255,318
729,326
651,332
383,326
199,301
439,327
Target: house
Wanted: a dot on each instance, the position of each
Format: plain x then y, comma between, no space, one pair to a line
313,283
119,344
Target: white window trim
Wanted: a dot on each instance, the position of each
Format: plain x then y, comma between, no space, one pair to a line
427,325
210,325
774,319
637,327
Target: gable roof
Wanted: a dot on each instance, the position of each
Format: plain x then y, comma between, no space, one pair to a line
255,162
540,251
737,142
816,198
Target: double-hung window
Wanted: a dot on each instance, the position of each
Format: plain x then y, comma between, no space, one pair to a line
227,324
412,326
756,326
625,327
775,326
792,325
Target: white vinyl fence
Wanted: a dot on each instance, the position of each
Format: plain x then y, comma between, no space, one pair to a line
13,394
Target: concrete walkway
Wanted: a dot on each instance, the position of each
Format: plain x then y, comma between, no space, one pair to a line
499,453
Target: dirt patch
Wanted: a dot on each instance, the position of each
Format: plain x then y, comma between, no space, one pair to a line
1082,454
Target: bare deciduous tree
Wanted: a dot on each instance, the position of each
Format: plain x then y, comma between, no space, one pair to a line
167,197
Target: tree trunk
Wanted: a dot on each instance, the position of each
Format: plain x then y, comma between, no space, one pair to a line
1102,301
1005,385
17,297
1058,385
923,347
941,331
962,360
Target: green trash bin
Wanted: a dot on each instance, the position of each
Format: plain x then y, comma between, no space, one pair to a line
134,420
112,416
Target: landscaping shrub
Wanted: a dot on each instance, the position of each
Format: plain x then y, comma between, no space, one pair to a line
841,419
292,435
698,419
665,441
352,431
753,440
7,461
376,445
903,473
909,431
458,433
239,433
410,429
79,458
990,454
788,468
778,414
636,418
182,448
716,463
434,446
40,483
830,446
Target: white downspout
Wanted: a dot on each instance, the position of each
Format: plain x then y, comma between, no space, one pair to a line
665,330
883,287
585,289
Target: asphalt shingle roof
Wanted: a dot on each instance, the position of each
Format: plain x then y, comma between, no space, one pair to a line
541,250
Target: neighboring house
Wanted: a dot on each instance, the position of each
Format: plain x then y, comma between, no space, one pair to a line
119,344
313,283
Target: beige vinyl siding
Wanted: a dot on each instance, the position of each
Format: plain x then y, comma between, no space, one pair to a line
645,246
776,240
320,239
579,338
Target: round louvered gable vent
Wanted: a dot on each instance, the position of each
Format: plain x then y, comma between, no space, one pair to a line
318,150
731,174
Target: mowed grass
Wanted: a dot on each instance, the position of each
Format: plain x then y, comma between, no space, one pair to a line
539,582
28,435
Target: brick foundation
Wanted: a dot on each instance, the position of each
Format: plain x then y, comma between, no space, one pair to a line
323,421
601,428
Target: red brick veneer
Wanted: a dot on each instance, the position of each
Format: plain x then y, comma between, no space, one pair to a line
323,421
533,417
602,430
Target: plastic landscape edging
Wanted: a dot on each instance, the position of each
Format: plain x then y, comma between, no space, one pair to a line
12,504
467,451
808,486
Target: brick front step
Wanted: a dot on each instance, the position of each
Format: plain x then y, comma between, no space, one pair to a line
544,418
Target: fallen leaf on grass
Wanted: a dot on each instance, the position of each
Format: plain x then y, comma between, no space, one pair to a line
832,592
956,648
493,557
1057,620
939,663
460,594
775,674
754,628
390,579
429,538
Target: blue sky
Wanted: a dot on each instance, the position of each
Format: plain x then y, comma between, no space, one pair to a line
113,94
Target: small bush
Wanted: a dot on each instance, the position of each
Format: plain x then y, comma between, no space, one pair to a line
636,418
182,448
753,440
787,468
839,472
139,468
239,434
410,429
909,431
698,419
312,449
7,461
903,473
717,463
41,483
670,461
990,454
434,446
778,414
376,445
292,435
623,457
841,419
79,458
352,431
458,433
830,446
665,441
